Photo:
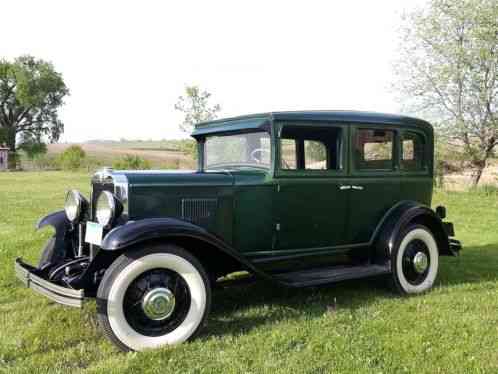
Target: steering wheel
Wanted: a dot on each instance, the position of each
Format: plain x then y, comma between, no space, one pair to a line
258,150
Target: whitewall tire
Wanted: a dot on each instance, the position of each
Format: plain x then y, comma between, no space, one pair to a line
415,261
153,297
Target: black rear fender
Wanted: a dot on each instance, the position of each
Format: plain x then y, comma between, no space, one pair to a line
398,218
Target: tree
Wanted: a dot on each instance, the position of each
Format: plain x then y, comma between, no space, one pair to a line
31,92
32,146
448,70
196,108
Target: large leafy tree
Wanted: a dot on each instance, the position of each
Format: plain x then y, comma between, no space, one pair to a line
195,106
31,92
448,70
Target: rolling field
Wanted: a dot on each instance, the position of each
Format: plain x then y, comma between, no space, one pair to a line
353,327
161,154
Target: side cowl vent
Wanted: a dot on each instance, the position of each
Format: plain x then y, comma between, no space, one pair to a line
199,210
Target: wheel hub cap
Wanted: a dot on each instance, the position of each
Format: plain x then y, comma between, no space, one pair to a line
420,262
158,304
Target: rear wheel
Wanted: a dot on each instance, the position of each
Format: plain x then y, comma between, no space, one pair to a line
153,297
415,261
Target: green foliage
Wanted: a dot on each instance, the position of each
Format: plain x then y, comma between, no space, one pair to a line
448,70
45,162
72,158
196,108
189,147
351,327
31,92
132,162
32,146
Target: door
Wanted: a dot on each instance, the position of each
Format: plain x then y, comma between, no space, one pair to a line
311,197
375,178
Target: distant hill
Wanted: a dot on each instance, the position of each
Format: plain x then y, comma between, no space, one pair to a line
161,154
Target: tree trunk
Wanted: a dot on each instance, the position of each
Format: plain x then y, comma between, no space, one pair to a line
478,166
11,138
11,143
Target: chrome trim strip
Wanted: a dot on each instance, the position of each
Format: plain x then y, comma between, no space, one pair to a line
121,190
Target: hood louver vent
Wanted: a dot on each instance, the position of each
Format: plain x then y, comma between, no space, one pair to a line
200,211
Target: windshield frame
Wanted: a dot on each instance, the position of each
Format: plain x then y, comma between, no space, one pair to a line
235,166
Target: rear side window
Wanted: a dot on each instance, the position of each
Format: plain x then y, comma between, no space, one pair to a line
374,149
413,151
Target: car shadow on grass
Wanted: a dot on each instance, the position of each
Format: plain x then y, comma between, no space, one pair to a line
240,309
476,264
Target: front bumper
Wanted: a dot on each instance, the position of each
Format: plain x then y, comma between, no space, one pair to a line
62,295
455,246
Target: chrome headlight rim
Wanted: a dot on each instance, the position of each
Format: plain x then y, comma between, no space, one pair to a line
114,208
74,212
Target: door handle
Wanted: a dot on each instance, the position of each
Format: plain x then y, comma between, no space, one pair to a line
345,187
359,188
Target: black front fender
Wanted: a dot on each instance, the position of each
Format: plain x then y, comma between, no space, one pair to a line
135,232
57,220
56,252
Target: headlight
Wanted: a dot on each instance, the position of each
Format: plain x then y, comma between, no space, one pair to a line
108,208
75,206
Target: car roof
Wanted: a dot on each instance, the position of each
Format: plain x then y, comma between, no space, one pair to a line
254,121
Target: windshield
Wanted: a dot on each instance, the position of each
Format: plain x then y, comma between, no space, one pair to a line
250,150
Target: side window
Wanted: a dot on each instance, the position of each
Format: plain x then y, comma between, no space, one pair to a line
374,149
288,154
307,146
413,150
315,155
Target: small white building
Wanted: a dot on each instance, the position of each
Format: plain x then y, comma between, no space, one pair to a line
4,158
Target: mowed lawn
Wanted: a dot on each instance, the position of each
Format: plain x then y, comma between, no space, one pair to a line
357,327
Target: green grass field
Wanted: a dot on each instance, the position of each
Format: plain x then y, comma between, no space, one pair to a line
357,327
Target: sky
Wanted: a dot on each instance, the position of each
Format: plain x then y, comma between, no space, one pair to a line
126,62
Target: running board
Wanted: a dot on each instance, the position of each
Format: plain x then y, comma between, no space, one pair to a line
319,276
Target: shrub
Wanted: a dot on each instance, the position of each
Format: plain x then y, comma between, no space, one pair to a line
189,147
132,162
45,162
72,158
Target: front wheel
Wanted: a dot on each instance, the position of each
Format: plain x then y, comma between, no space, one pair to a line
153,297
415,261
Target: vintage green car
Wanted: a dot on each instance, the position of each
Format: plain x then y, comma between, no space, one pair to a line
297,198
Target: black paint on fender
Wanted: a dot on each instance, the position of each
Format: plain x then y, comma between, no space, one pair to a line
57,249
397,219
135,232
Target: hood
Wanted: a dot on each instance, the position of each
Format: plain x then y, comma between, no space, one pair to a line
175,178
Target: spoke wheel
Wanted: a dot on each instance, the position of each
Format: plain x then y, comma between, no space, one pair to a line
152,297
156,302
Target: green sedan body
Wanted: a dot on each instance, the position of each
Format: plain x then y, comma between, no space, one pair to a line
297,198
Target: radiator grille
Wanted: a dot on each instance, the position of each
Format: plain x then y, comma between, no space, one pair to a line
199,210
